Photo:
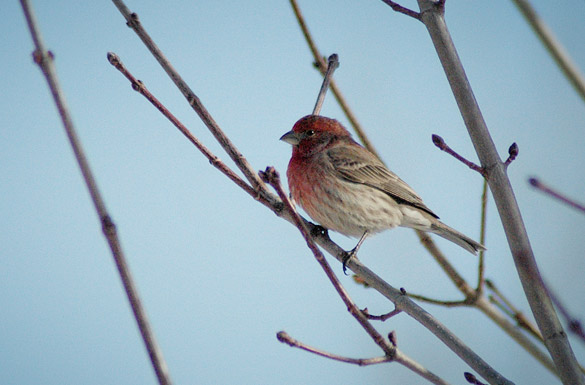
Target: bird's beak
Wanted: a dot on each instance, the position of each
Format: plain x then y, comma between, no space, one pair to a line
291,137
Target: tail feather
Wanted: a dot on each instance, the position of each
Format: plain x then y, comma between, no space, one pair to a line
456,237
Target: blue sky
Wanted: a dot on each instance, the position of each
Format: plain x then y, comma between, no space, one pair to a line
219,274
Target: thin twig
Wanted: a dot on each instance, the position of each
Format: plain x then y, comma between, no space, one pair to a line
536,183
381,317
45,60
283,337
399,8
332,64
242,163
506,305
440,143
138,86
553,46
482,239
322,67
573,324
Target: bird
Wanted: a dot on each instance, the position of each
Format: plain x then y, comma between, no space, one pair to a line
345,188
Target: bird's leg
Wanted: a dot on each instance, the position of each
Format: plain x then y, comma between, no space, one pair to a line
353,252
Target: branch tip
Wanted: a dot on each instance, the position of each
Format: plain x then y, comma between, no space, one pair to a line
440,143
472,379
513,153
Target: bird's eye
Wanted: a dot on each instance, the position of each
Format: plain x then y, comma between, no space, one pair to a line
310,132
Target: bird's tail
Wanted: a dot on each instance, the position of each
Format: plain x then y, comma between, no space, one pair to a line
455,236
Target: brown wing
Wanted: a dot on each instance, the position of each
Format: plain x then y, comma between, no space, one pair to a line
357,165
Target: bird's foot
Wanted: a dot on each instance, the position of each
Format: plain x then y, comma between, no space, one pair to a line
318,230
346,257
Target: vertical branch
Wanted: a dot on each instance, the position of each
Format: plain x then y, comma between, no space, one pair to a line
45,60
555,338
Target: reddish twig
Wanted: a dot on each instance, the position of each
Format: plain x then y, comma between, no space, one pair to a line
133,22
138,86
536,183
270,176
573,324
283,337
440,143
399,8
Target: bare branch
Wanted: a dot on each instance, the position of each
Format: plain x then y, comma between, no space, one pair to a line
553,46
283,337
332,64
506,305
536,183
541,305
440,143
321,65
271,176
573,324
382,317
244,166
45,61
138,86
399,8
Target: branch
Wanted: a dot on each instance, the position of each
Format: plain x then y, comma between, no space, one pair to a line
321,238
536,183
553,46
440,143
134,23
399,8
283,337
139,87
322,67
555,338
44,59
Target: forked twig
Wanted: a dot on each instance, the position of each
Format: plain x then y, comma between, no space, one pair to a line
45,61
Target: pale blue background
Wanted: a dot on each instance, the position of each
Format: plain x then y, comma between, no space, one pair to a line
219,273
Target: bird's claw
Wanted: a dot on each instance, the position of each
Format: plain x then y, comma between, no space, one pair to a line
318,230
348,255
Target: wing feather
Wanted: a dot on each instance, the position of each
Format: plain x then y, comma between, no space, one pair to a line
357,165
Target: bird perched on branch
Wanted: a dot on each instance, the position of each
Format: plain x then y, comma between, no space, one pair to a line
346,188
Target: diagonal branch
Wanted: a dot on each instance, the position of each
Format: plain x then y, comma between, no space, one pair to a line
134,23
537,184
391,351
